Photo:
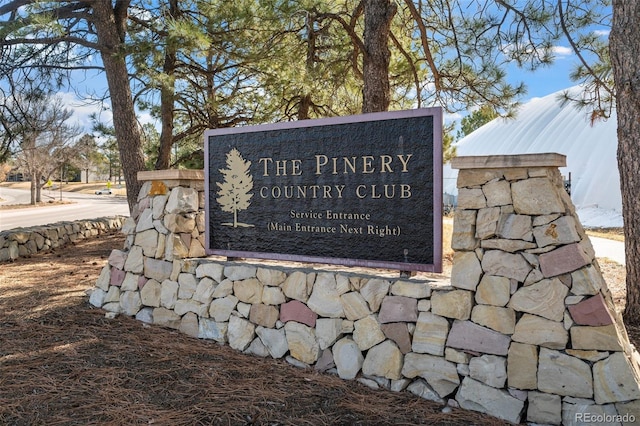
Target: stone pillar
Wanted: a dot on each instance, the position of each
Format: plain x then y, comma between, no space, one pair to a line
166,228
169,220
520,247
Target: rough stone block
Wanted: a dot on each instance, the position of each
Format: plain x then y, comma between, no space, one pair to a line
264,315
398,309
537,196
274,340
240,333
302,342
466,270
295,286
452,304
489,369
497,193
248,290
367,332
544,298
496,318
493,290
562,260
441,374
348,358
299,312
614,380
117,277
536,330
544,408
430,334
592,311
471,198
399,333
603,338
383,360
354,305
469,336
477,396
416,290
464,230
559,232
325,297
522,366
487,222
564,375
502,264
374,291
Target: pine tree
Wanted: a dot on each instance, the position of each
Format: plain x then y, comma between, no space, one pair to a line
234,195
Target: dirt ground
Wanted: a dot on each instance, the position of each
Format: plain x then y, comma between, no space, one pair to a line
62,362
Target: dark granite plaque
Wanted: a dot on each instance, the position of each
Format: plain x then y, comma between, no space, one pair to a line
362,190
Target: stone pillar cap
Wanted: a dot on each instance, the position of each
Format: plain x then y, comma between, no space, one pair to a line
173,174
550,159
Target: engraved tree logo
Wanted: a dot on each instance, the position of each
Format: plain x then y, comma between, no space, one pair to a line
234,194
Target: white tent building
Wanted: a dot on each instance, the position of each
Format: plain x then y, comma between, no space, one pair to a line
546,125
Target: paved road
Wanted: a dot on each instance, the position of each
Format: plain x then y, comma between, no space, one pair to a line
84,206
610,249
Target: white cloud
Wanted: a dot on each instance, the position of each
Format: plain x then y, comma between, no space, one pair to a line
82,111
562,51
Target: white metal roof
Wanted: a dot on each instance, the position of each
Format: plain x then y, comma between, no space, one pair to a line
546,125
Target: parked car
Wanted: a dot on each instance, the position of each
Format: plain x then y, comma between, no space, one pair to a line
103,191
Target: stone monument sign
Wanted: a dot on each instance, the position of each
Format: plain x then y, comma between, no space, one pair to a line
361,190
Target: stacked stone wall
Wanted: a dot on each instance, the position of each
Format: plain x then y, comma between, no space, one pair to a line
24,242
525,330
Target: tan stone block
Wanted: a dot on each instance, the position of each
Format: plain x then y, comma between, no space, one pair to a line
466,270
452,304
464,230
603,338
536,196
536,330
544,298
522,366
441,374
497,193
383,360
493,290
496,262
564,375
430,334
495,317
295,286
615,380
471,198
467,178
354,305
264,315
487,222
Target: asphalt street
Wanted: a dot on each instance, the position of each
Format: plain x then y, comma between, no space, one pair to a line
82,206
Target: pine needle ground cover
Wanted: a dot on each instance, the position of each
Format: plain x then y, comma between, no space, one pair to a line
63,362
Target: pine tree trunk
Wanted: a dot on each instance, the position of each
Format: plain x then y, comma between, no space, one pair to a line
377,22
167,97
110,25
624,43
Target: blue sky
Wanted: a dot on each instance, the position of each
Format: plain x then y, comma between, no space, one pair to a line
542,82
